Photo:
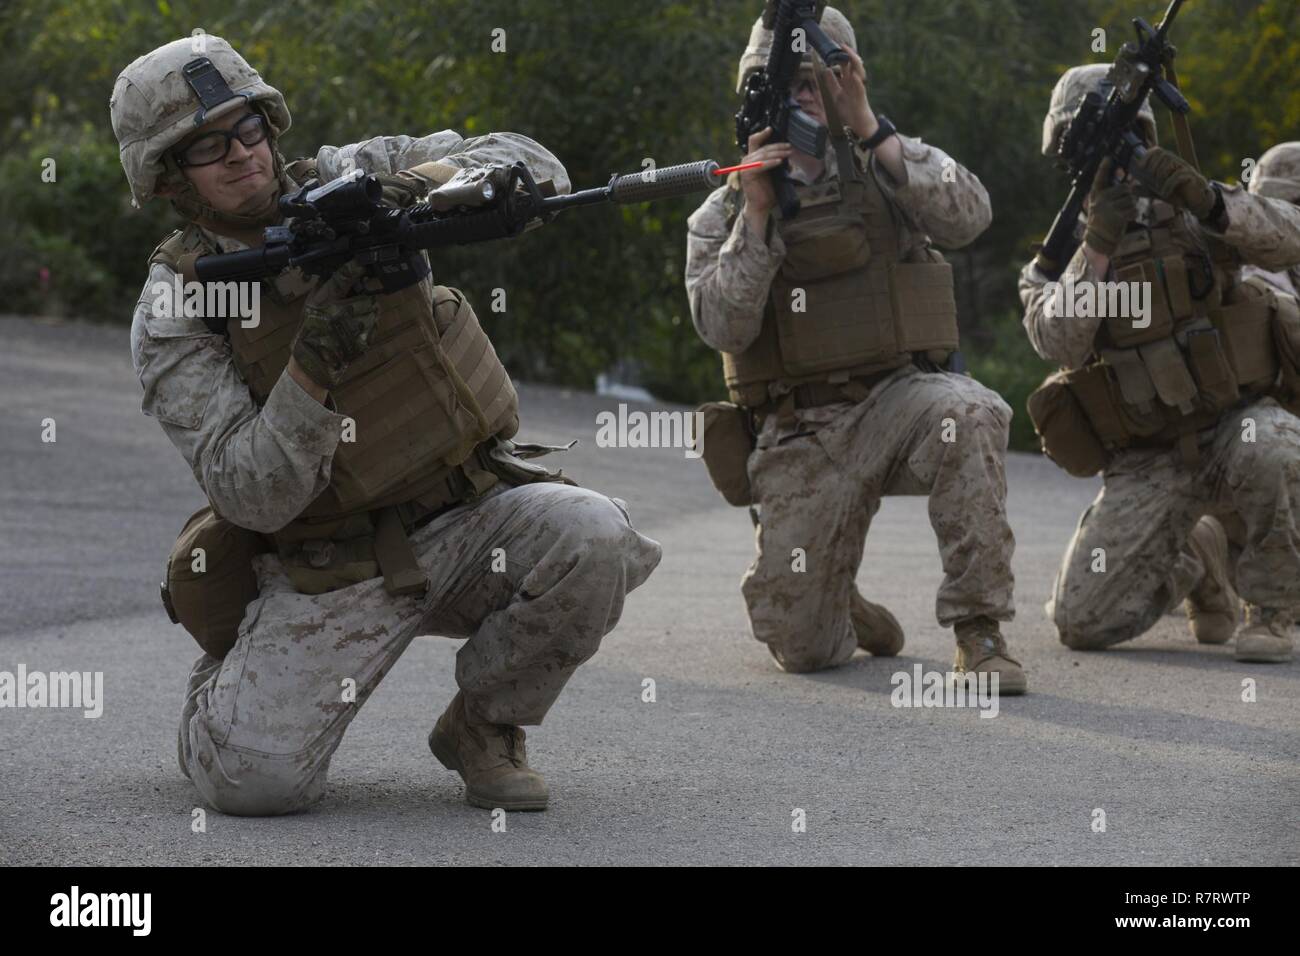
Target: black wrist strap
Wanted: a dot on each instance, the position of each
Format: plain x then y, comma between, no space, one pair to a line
886,130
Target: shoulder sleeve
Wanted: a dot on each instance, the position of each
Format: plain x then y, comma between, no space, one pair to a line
729,272
260,467
942,198
1265,232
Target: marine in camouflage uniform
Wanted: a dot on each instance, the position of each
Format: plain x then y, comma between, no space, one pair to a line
1153,537
260,723
826,453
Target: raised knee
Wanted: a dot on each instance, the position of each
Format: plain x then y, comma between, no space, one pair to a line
1270,465
605,535
976,405
607,527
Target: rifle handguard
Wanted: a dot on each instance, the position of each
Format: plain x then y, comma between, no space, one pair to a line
247,264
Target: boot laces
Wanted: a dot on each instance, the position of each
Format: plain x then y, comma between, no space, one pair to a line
1278,620
512,736
984,639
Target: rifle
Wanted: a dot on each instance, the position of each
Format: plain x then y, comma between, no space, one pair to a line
345,219
1104,128
767,92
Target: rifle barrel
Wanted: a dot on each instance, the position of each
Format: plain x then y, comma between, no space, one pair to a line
1162,31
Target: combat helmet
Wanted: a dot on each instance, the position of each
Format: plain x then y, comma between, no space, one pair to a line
165,95
833,23
1278,174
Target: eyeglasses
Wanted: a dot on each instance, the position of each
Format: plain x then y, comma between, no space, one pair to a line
213,147
802,84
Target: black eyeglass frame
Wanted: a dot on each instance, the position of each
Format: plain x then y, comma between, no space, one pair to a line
229,135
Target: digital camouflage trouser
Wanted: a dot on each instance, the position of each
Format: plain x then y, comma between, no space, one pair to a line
259,727
917,433
1138,526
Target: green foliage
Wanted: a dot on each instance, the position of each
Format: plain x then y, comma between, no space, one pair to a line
78,227
1237,64
604,85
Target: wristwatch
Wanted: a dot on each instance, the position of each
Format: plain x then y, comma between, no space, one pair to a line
886,130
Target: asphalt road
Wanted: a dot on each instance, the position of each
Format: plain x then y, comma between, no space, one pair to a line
1155,734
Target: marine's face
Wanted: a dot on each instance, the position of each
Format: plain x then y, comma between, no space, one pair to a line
808,94
242,176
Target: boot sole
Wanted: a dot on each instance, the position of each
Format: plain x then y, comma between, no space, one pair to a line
525,806
1007,690
447,757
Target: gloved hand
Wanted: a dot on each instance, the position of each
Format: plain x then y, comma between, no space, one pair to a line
1175,181
1111,207
402,190
336,328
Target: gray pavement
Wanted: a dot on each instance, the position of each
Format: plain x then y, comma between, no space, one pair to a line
1154,733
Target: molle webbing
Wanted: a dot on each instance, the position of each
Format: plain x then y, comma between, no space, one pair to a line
1208,346
848,302
427,391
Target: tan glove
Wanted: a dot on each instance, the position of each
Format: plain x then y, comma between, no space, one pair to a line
401,190
1110,209
336,328
408,186
1175,181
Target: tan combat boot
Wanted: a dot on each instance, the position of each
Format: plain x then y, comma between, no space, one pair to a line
1213,608
490,759
878,631
981,648
1265,638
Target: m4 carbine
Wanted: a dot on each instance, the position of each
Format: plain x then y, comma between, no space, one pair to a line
1104,128
346,219
767,91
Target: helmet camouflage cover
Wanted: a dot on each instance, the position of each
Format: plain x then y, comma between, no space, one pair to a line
154,106
833,23
1278,174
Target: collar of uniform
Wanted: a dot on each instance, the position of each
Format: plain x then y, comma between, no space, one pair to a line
221,242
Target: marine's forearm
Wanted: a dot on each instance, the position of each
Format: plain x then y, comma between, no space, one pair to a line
728,284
